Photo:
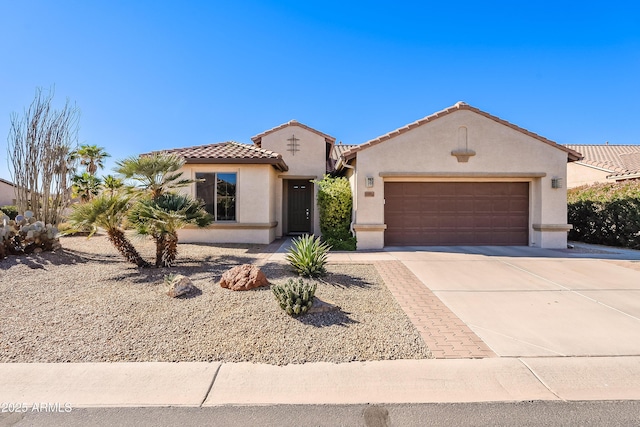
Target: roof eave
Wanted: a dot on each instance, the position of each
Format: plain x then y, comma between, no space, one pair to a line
257,139
277,163
572,155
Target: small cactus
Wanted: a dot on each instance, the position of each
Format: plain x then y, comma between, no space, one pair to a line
25,234
295,297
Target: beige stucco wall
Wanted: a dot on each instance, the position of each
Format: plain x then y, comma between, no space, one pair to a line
307,163
255,206
7,194
579,174
499,150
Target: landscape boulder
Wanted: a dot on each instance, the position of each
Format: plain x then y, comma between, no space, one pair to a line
179,285
243,278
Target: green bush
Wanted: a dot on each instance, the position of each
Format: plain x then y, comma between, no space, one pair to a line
308,256
606,214
10,210
335,204
295,298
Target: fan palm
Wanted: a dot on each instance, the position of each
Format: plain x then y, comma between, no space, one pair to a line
162,217
86,186
92,157
155,173
112,184
108,212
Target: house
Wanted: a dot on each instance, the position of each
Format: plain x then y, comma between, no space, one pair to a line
7,193
458,177
603,163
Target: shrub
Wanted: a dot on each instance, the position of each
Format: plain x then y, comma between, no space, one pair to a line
295,298
10,210
335,204
308,255
606,214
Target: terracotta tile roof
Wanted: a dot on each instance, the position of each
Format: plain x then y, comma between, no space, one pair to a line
336,153
339,149
350,154
621,160
229,152
258,138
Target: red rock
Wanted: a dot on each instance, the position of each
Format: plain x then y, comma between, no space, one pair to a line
243,278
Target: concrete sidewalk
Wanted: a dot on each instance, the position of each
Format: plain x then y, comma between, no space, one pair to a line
401,381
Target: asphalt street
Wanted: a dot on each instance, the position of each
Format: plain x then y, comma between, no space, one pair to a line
536,413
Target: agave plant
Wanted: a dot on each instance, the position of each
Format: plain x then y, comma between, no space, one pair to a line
308,256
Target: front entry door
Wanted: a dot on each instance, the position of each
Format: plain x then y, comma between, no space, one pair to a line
300,193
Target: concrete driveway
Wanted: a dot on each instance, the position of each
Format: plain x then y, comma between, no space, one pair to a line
525,301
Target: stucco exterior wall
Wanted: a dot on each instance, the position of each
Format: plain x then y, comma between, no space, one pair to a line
579,174
7,195
309,162
424,154
256,219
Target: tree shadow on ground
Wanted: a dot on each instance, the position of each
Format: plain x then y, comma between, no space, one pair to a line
187,267
247,247
42,260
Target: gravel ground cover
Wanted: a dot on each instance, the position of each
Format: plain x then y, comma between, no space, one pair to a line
85,304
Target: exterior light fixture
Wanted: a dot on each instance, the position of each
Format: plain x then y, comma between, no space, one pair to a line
369,182
556,182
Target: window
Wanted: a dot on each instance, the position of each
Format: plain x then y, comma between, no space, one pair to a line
218,191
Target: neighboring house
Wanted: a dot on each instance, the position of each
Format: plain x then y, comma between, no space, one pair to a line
458,177
603,163
7,193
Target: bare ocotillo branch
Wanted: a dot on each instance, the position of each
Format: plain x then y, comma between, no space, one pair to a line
39,144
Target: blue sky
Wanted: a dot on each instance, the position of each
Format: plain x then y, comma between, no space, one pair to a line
149,75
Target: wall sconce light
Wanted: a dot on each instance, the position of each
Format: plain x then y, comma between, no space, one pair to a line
369,182
556,182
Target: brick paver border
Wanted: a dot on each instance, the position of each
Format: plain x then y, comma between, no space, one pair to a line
443,332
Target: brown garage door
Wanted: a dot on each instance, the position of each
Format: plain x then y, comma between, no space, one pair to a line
456,213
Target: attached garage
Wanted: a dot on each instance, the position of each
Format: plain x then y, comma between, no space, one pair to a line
459,177
456,213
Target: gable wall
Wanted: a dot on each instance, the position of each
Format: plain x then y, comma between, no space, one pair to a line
308,162
499,149
579,174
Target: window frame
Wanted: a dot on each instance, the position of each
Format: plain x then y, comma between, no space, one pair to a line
215,194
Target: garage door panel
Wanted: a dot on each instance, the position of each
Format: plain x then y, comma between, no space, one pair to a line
518,205
457,213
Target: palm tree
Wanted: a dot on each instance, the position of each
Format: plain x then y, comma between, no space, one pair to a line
112,184
155,173
92,157
86,186
108,212
162,217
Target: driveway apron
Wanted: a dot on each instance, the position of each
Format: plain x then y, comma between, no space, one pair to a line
534,302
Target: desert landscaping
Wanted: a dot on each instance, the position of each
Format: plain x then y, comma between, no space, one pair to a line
85,303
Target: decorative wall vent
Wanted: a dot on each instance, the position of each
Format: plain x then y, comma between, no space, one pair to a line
463,153
293,145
